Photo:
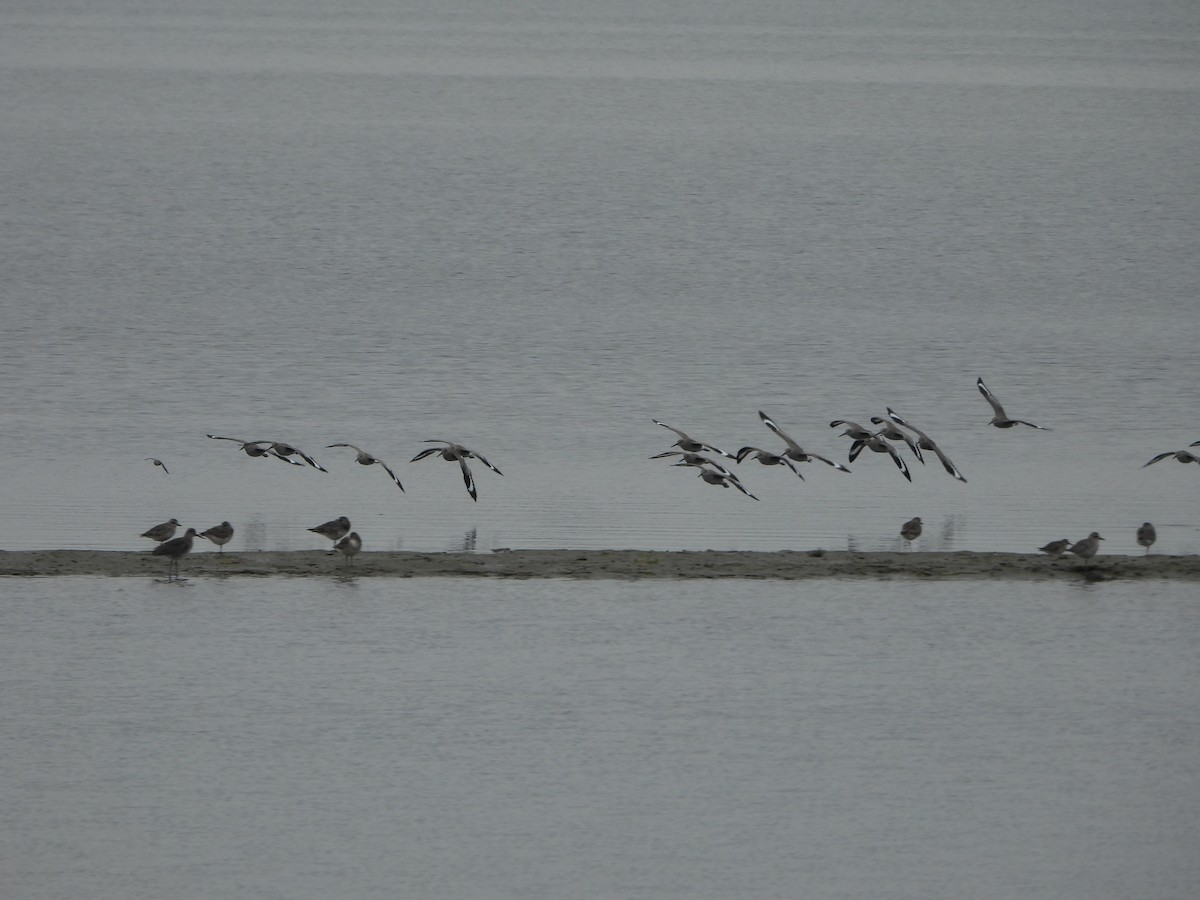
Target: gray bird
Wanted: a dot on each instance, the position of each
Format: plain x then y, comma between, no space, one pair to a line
999,417
334,529
175,550
1056,548
158,462
911,530
220,535
794,451
452,452
162,532
367,459
348,546
1086,548
1146,535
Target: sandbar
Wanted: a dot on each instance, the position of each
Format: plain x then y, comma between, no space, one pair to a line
621,564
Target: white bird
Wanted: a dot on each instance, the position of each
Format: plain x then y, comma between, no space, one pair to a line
925,442
1000,418
452,452
794,451
367,459
690,444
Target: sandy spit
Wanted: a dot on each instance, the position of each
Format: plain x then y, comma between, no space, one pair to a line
788,564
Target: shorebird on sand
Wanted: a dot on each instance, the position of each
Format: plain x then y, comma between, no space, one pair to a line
1000,418
925,442
367,459
348,546
220,535
767,459
175,549
1182,455
911,530
690,444
1146,535
794,451
162,532
1086,548
452,452
334,529
1056,548
159,463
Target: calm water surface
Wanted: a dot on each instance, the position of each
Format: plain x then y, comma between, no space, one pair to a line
533,228
473,738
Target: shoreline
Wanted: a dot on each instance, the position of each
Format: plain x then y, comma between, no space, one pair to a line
622,564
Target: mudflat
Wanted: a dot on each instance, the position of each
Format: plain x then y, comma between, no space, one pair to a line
630,564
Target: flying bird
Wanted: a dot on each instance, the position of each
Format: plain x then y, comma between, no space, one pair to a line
794,451
925,442
879,445
714,473
367,459
159,463
1182,455
452,452
690,444
767,459
1000,418
256,449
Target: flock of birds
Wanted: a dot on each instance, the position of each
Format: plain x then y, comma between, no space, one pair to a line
889,435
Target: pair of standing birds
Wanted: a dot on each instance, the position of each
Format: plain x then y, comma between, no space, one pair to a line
345,541
1090,545
176,548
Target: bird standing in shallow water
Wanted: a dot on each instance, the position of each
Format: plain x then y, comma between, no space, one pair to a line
175,549
1146,535
162,532
911,530
220,535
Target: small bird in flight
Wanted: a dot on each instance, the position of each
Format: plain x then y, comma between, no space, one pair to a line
1000,418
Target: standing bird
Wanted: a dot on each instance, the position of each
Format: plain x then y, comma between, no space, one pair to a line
159,463
1086,548
911,530
690,444
367,459
452,452
334,529
1146,535
925,442
794,451
1056,548
162,532
175,549
1000,418
1182,455
348,546
220,535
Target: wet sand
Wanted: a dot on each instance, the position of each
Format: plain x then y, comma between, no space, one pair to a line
629,564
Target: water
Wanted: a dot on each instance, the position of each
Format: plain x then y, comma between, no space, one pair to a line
483,739
533,229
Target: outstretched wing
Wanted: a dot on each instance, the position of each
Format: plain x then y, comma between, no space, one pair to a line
990,398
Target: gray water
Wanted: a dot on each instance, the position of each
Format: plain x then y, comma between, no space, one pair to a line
302,738
532,228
